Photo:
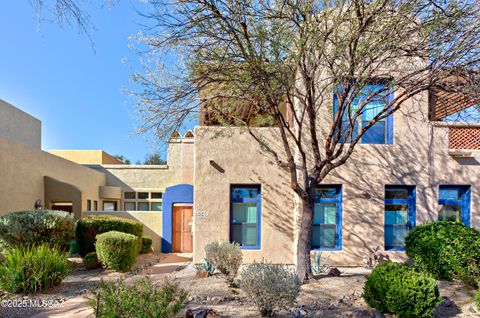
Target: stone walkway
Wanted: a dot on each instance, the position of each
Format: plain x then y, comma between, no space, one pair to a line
76,307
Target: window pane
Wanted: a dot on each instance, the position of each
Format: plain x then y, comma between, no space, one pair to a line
325,213
315,236
238,215
396,194
251,212
326,193
143,195
156,206
129,206
372,109
245,192
327,236
395,235
450,194
129,195
450,212
143,206
156,195
109,206
237,233
375,134
396,214
249,235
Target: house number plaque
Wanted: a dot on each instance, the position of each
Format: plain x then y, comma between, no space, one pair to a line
200,214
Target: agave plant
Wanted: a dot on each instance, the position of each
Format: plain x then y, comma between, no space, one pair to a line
206,266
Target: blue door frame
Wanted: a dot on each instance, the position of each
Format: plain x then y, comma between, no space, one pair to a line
180,193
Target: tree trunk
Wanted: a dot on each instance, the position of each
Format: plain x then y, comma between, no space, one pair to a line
302,236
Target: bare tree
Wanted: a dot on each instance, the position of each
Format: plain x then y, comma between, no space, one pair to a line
252,63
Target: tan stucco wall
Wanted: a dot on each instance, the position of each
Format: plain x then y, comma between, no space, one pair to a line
22,171
419,156
86,157
19,126
152,223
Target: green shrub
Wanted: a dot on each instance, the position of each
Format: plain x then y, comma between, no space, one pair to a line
25,228
32,269
89,227
399,289
447,250
90,261
146,245
226,257
142,299
270,286
477,299
117,250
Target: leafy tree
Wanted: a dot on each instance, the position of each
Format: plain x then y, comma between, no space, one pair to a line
123,159
154,159
250,63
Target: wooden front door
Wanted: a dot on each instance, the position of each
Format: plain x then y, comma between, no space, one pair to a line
182,229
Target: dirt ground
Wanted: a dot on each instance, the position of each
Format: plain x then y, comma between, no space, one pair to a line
325,296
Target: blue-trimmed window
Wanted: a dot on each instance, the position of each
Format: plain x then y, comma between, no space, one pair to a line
327,218
454,201
382,131
245,217
399,215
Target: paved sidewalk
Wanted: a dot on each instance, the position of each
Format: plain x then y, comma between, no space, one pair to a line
76,307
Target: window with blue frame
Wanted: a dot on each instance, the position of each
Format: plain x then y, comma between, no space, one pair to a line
399,215
245,216
327,218
382,131
454,201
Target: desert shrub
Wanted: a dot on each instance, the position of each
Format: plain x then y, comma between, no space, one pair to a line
25,228
270,286
117,250
32,269
207,266
445,249
146,245
225,256
89,227
90,261
142,299
400,290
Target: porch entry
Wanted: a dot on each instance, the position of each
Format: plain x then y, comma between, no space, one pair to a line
182,229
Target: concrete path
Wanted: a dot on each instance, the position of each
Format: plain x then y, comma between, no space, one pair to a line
76,308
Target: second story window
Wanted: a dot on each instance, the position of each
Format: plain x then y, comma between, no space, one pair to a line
454,202
362,110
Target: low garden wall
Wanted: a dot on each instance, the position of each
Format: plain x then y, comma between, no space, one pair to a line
152,223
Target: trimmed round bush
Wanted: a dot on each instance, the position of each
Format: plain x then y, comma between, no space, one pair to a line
33,269
117,250
90,261
447,250
146,245
270,286
226,257
25,228
400,290
89,227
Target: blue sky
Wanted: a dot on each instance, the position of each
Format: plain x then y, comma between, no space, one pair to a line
52,73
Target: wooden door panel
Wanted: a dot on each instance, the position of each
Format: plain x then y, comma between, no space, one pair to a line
187,240
182,229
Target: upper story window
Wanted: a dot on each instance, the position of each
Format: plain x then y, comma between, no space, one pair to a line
399,215
143,201
454,201
245,227
367,104
327,219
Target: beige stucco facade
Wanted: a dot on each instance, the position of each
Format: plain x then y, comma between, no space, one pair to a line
86,157
19,126
419,156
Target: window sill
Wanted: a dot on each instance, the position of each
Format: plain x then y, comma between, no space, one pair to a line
250,248
333,249
395,249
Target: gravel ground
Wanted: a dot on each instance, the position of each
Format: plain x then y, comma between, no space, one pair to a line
77,283
325,296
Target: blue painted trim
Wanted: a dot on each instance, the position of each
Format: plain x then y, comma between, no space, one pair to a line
390,130
258,201
411,216
180,193
465,202
338,201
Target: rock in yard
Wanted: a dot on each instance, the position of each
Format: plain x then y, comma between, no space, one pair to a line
201,313
446,302
367,313
201,274
334,272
